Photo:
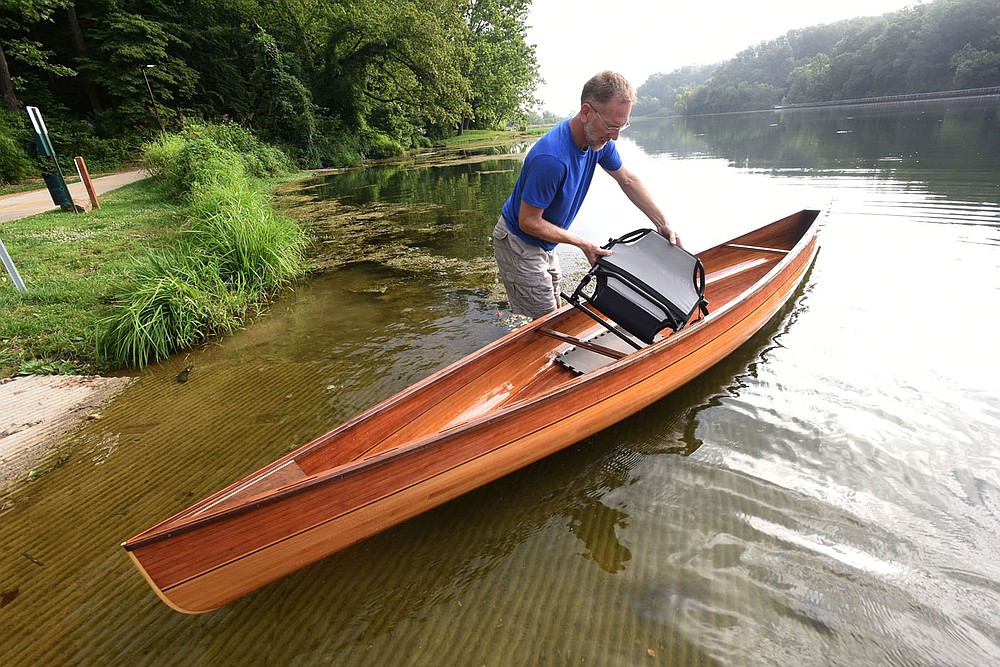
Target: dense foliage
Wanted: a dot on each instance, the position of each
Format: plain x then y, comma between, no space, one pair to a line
944,45
330,81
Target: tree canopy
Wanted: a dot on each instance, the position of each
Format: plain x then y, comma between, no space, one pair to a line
944,45
330,80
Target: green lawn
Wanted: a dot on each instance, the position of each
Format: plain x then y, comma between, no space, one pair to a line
71,265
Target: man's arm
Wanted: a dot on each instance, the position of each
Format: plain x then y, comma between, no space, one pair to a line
639,195
531,222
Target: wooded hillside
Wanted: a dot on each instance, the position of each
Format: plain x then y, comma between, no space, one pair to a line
944,45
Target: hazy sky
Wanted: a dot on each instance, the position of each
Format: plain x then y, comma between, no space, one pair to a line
578,38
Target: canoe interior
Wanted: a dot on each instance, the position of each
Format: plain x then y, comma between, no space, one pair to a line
518,368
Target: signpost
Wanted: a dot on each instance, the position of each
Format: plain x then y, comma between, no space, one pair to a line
54,181
81,170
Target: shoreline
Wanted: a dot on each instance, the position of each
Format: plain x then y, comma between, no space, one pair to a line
40,410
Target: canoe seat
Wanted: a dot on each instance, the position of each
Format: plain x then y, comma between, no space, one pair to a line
645,285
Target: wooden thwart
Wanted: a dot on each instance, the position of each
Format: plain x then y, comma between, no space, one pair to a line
593,347
733,270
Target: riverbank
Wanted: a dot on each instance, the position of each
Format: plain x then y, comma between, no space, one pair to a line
970,94
39,410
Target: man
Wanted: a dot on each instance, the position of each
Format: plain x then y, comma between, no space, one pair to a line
551,188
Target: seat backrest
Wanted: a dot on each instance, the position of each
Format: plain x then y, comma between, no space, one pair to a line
647,284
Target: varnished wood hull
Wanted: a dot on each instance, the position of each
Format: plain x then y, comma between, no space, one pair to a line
489,414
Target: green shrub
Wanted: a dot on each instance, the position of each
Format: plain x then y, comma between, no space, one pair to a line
212,153
336,144
259,159
379,146
15,164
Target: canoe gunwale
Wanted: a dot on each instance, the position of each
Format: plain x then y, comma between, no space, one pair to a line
188,519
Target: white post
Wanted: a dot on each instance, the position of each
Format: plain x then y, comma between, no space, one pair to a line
11,269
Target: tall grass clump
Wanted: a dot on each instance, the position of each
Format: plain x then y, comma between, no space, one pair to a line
206,153
181,164
256,250
234,253
178,301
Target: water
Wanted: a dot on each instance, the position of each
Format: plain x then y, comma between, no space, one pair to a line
829,494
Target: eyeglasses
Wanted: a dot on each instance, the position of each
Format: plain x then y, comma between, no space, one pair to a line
611,128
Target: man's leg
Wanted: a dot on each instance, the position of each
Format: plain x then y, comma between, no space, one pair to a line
530,274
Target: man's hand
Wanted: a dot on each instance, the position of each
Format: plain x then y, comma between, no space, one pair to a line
592,251
531,222
667,232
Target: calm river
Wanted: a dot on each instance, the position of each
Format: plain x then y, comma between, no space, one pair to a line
828,495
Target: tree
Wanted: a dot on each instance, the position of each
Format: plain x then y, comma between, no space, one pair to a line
284,109
80,47
944,45
810,82
367,76
659,94
975,68
948,27
395,66
756,78
18,17
503,69
6,85
124,44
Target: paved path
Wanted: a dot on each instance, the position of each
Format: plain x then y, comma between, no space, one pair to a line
24,204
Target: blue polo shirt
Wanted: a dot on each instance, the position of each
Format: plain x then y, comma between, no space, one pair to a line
556,177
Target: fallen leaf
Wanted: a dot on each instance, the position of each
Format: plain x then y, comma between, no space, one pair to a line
9,596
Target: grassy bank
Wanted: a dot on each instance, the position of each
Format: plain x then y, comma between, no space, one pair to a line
482,138
71,266
165,264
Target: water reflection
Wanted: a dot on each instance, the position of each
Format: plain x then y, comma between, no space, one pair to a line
408,220
951,146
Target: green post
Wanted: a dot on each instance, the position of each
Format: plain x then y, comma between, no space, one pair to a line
53,181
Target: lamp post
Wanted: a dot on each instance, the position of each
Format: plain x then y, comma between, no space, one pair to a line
156,111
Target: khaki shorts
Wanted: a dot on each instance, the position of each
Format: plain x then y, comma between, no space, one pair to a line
530,274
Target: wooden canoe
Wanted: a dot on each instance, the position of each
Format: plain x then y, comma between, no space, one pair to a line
497,410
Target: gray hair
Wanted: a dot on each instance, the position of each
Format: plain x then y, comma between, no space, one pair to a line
606,86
